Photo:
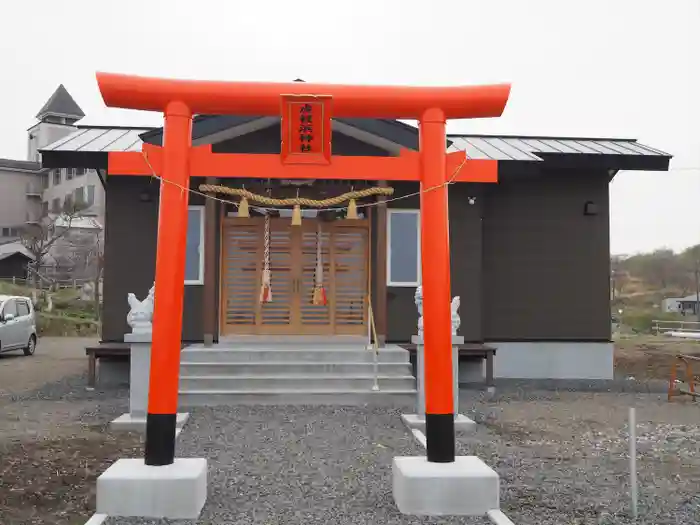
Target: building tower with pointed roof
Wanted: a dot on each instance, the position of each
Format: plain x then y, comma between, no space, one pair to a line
56,118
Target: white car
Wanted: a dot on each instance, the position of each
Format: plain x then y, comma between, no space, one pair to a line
17,324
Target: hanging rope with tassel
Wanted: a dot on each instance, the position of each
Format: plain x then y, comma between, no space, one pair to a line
318,297
266,286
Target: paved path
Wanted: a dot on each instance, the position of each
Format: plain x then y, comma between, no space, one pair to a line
55,358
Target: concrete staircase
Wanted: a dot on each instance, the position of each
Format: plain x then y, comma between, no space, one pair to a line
277,372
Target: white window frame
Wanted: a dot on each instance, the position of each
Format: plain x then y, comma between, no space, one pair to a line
200,209
390,281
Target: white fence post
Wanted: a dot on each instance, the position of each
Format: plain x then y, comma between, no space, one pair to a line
633,460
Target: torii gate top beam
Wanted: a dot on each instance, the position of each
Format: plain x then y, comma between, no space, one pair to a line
263,98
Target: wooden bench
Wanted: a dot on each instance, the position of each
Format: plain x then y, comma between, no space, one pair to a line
468,351
103,350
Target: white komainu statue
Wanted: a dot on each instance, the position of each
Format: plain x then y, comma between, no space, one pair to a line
454,307
140,317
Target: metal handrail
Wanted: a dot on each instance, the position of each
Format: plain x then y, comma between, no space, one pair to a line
372,333
661,326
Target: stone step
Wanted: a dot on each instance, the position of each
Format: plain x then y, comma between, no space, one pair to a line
280,354
296,383
328,340
339,397
272,368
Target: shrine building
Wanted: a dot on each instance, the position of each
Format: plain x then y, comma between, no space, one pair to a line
530,254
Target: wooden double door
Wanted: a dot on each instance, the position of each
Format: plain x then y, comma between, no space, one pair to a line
343,246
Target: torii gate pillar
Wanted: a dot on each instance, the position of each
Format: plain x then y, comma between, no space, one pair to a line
435,261
171,250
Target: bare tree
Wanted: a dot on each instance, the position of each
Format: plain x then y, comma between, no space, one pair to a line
619,276
77,254
81,256
40,237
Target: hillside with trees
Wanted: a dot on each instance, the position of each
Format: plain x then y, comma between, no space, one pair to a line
639,283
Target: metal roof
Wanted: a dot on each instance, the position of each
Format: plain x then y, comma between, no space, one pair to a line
607,154
99,139
503,147
20,165
11,248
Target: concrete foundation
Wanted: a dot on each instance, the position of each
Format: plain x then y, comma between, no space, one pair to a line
553,360
462,422
128,422
466,487
131,488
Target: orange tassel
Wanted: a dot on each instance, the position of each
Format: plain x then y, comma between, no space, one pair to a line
318,297
266,288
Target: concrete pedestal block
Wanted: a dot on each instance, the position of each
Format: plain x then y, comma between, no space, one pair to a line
128,422
466,487
462,422
140,372
131,488
420,377
414,420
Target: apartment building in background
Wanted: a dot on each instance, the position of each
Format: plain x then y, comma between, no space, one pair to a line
21,196
57,119
29,192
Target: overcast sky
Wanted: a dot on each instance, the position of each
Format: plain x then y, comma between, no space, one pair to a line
599,68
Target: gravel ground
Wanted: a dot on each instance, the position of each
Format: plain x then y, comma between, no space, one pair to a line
561,454
54,440
55,358
561,457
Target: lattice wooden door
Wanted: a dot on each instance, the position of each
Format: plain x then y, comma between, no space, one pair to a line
349,255
241,272
293,254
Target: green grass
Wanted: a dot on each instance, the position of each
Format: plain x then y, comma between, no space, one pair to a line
69,317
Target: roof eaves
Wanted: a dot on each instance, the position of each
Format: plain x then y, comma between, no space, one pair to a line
27,166
127,128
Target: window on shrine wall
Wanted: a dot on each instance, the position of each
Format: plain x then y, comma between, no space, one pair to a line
194,256
403,250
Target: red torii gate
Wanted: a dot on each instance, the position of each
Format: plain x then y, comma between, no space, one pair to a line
177,161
